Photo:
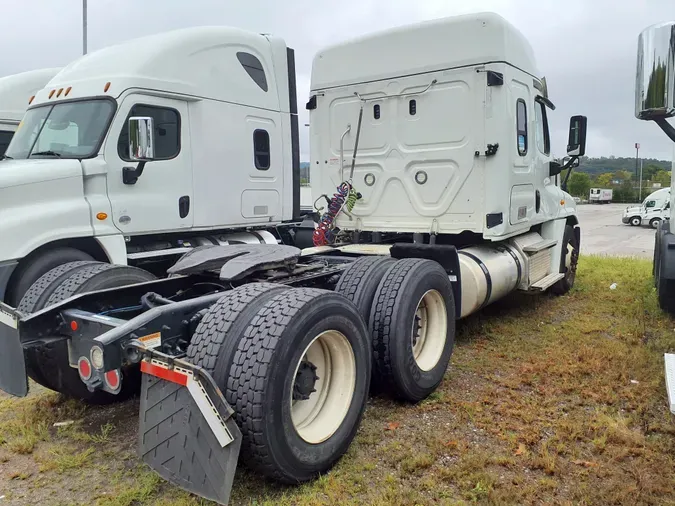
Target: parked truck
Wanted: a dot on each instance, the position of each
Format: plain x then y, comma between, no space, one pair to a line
655,101
439,197
16,93
650,211
70,191
600,196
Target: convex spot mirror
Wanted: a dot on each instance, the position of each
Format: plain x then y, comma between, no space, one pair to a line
576,143
655,74
141,138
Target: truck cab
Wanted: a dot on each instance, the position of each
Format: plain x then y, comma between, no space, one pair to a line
430,143
649,211
220,107
16,92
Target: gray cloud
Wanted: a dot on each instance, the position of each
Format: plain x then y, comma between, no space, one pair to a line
585,49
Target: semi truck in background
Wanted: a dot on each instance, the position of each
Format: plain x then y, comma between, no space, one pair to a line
268,349
600,196
655,101
651,211
71,191
15,96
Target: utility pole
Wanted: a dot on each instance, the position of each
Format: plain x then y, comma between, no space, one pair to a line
637,155
640,199
84,27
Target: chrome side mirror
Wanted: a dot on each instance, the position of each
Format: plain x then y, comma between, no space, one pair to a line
655,74
141,138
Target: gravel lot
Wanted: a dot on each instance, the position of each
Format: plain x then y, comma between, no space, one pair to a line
602,232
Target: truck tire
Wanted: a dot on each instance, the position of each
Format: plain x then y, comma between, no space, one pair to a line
635,221
654,223
31,271
412,325
34,300
569,259
215,340
50,361
299,383
360,280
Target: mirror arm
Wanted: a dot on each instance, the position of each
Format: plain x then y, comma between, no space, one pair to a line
568,165
666,127
130,175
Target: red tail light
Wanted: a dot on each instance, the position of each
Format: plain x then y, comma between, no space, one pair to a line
112,379
84,367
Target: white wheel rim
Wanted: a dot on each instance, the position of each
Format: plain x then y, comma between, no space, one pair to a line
430,330
568,256
317,418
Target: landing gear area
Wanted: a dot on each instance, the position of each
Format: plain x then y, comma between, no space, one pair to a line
270,351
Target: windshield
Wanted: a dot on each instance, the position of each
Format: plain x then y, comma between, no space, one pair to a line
66,130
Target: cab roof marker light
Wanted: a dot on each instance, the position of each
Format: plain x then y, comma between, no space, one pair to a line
58,93
51,93
30,100
106,87
68,90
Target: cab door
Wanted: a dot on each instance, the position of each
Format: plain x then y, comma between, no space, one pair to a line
161,199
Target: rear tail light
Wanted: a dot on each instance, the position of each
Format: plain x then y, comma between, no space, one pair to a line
84,368
113,380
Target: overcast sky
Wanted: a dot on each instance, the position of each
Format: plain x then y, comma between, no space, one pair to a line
585,48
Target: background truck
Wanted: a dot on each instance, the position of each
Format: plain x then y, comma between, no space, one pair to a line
600,196
270,351
226,168
16,92
655,101
650,211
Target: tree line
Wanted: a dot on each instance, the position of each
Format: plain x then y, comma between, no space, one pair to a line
619,175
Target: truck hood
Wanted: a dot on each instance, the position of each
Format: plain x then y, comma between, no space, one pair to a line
632,210
25,172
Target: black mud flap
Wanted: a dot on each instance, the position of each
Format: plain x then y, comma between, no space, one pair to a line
13,378
187,433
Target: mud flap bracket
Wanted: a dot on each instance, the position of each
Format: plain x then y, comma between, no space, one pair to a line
187,433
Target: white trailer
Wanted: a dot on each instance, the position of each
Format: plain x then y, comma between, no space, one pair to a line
431,145
600,196
223,103
16,92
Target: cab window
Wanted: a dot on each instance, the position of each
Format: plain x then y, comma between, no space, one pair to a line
650,203
167,131
543,137
5,137
521,126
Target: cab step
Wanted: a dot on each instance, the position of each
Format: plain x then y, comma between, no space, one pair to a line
669,359
540,246
548,281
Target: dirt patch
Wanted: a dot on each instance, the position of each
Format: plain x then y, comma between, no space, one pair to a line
547,401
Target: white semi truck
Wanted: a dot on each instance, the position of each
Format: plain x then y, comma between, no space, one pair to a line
16,92
650,211
655,101
226,143
431,146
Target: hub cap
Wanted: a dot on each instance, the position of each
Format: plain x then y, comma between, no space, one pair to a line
430,330
323,386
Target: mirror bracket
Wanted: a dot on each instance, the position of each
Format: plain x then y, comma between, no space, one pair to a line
130,175
668,129
569,165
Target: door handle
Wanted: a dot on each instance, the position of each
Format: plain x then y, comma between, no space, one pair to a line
184,206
